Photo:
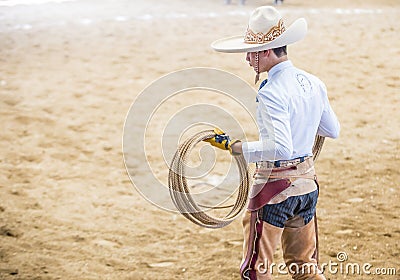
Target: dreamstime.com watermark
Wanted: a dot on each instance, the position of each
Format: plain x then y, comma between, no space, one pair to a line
340,266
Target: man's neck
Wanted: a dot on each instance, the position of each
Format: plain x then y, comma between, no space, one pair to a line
278,60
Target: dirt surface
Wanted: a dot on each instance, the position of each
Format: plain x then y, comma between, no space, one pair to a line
68,75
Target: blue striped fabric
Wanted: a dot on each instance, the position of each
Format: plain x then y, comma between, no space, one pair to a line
301,205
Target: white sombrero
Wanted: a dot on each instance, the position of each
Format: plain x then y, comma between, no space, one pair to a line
266,30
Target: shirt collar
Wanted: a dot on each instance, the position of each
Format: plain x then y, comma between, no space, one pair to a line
279,67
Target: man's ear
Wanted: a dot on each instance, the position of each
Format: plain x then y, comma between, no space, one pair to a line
266,53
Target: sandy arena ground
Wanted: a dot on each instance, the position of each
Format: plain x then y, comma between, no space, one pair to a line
68,75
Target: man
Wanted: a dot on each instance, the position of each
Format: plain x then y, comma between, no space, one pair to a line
292,108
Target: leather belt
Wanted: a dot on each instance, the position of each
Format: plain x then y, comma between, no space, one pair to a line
281,163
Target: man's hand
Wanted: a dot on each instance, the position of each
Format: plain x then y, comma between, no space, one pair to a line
222,141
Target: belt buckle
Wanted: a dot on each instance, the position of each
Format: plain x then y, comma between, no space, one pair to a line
264,165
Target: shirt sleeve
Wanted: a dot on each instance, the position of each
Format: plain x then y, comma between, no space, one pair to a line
329,125
275,141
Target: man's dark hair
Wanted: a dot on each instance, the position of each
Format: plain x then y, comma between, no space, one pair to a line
281,51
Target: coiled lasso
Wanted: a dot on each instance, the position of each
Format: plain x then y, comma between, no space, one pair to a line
182,197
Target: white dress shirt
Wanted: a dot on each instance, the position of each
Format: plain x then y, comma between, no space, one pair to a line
293,107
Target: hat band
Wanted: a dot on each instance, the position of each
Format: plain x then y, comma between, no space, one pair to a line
261,38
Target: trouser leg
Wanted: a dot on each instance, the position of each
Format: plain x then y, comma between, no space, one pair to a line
299,252
258,252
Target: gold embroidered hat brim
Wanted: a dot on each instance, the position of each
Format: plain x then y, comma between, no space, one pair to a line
295,32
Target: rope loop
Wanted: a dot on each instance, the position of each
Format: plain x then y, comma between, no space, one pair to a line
180,193
182,198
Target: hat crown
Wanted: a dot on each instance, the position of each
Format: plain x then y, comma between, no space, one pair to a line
263,19
265,25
